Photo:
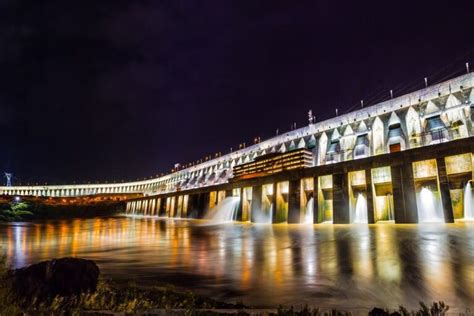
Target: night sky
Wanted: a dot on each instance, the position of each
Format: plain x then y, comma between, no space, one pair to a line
119,90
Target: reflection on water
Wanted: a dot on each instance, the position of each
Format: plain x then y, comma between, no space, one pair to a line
352,266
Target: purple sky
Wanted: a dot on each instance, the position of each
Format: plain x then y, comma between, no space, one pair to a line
114,89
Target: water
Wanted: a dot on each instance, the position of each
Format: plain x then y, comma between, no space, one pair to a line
308,217
360,214
265,217
429,210
468,211
348,266
224,212
391,216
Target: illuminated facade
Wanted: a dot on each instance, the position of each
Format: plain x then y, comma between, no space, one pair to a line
273,163
350,167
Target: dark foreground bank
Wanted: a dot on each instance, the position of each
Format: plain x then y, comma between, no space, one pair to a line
14,209
72,286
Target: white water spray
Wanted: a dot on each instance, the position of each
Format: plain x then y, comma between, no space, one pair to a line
389,198
224,212
263,217
360,215
428,210
468,211
308,216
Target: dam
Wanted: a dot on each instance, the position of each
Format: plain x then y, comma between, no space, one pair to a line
405,160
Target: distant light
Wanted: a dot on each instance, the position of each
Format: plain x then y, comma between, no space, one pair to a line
17,198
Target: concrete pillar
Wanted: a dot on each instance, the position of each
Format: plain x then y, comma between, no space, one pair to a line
175,211
294,201
340,198
203,204
157,207
192,206
162,211
315,200
256,202
273,201
444,190
404,196
240,206
370,199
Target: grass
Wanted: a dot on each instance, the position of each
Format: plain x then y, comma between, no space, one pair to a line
436,309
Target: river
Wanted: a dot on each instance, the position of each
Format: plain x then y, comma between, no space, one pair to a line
345,266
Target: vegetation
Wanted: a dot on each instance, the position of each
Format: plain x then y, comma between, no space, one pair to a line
29,210
436,309
15,211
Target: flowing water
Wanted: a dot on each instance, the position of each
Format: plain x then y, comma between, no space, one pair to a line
429,210
468,211
224,212
360,213
265,217
308,217
347,266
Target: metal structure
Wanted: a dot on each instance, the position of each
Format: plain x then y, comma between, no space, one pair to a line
9,177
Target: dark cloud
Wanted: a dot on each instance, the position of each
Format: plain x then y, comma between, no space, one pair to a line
115,89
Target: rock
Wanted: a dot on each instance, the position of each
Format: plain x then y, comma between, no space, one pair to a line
63,277
378,312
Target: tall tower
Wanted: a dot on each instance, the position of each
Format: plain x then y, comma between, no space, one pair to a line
9,178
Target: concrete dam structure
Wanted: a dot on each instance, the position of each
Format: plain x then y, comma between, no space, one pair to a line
405,160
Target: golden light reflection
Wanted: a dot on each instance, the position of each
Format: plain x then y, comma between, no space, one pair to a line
266,264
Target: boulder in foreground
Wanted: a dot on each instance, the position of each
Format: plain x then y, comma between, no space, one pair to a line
63,277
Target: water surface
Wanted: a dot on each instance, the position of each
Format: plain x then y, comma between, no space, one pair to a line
348,266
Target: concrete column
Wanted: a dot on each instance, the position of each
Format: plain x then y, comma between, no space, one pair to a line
203,204
256,202
240,206
444,190
274,210
315,200
404,196
157,207
340,187
370,199
294,201
192,205
162,207
175,212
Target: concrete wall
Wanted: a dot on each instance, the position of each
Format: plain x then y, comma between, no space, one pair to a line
402,184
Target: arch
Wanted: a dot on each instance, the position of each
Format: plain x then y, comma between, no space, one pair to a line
292,145
347,142
323,144
362,128
452,101
282,148
378,136
395,138
431,108
335,134
301,143
311,142
413,124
